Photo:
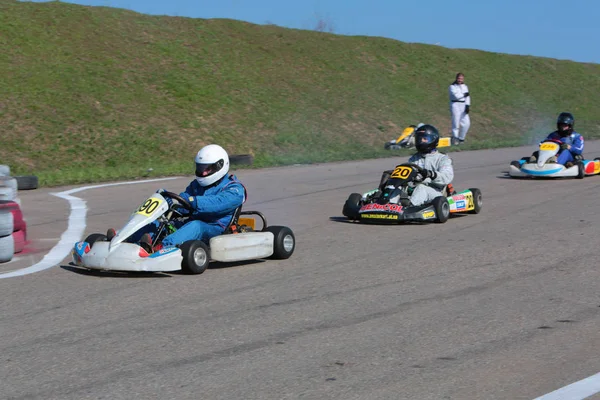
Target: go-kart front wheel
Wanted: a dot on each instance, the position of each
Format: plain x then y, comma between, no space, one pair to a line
442,209
352,206
580,170
284,242
516,164
95,237
477,201
196,257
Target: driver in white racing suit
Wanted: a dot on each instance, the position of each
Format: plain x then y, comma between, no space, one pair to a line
438,169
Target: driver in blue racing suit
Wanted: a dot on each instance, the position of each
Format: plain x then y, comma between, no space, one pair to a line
214,197
571,148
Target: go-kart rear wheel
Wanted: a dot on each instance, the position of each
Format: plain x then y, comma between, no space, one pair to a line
196,257
95,237
442,209
352,206
580,170
284,242
477,201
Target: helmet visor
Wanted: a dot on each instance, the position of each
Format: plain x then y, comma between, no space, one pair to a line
204,170
424,142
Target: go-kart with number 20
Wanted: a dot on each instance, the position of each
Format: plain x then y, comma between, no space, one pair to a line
239,242
390,203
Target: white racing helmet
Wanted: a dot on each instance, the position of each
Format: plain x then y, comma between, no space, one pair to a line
212,163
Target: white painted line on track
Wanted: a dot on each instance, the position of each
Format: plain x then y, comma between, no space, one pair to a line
75,229
575,391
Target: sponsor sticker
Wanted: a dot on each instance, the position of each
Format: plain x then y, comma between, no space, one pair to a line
379,216
461,204
381,207
428,214
164,251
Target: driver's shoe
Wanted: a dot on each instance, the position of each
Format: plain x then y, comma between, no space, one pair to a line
110,234
569,164
532,159
146,244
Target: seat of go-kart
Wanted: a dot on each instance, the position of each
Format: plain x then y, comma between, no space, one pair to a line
232,226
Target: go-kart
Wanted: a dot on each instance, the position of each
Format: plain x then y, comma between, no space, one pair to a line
390,203
406,140
239,242
546,166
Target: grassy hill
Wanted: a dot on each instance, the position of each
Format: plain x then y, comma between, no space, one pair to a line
95,93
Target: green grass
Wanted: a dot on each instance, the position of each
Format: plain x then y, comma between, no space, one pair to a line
97,93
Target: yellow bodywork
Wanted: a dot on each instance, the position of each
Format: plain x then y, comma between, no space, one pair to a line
248,221
444,141
405,133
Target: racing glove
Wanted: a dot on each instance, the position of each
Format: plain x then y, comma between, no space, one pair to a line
466,94
430,174
168,199
467,109
564,146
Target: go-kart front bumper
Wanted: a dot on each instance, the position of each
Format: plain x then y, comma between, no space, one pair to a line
125,257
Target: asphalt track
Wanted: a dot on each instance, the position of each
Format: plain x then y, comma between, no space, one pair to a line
500,305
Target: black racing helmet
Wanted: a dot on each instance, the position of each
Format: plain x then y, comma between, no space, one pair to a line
427,138
565,123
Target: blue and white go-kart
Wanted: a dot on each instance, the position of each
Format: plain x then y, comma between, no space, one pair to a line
240,241
546,166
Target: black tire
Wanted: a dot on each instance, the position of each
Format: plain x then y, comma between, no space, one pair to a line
387,145
442,209
352,205
96,237
27,182
284,242
477,200
516,164
580,170
196,257
241,159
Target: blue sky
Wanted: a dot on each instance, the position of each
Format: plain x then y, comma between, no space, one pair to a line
548,28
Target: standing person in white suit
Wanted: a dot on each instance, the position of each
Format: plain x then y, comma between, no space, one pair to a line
460,102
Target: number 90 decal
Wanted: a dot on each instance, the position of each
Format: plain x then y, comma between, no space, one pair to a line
149,206
401,172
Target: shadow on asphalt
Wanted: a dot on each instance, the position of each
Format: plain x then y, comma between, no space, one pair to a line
136,274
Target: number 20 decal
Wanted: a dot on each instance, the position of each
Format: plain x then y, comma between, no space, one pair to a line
149,206
401,172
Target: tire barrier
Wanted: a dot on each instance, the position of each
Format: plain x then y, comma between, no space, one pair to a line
13,228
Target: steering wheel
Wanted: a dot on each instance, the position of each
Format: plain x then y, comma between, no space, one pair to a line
186,204
420,171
